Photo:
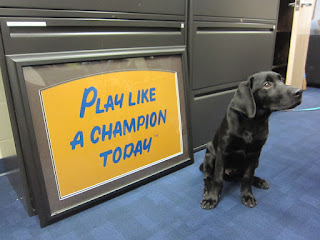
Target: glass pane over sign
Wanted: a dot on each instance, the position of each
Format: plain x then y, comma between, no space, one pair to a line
100,131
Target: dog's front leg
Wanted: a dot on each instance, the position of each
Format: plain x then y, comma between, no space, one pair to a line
247,196
213,183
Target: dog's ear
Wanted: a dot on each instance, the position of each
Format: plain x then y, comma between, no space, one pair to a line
243,100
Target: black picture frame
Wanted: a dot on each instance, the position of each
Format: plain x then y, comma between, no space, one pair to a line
25,135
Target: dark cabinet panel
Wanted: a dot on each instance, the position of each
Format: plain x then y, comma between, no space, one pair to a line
257,9
223,53
132,6
207,114
313,59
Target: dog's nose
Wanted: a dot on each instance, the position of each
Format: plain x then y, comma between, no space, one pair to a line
297,92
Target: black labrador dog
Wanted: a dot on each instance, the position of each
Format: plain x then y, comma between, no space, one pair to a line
234,152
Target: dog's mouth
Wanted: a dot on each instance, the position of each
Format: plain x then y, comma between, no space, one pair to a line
296,104
286,107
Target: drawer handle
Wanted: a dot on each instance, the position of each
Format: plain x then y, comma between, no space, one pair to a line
297,4
306,4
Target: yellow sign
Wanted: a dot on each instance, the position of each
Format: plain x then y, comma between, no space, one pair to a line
104,127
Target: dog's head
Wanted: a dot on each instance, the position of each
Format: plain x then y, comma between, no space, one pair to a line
265,91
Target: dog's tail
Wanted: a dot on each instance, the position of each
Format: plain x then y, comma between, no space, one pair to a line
210,151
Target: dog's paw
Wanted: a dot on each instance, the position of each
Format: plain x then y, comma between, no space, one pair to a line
209,202
249,200
260,183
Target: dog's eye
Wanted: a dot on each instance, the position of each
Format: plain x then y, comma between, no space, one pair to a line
268,84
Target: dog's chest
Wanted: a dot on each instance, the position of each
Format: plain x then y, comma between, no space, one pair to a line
246,141
253,131
247,137
239,151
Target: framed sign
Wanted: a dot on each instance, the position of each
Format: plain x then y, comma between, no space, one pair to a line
99,125
99,131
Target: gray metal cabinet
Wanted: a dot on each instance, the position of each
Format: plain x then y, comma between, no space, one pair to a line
228,41
84,37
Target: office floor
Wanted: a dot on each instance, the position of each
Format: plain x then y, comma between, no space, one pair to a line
169,208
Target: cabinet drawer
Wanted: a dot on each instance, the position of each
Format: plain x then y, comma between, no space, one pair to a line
207,114
142,6
36,35
258,9
223,53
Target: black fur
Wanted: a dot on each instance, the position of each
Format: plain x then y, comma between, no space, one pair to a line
234,152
